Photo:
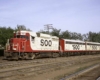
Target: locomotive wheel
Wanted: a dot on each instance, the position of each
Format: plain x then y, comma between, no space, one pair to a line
31,56
55,55
15,56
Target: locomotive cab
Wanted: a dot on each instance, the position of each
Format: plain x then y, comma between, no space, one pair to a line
18,44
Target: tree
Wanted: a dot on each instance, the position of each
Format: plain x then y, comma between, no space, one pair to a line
22,27
85,37
55,32
6,33
65,34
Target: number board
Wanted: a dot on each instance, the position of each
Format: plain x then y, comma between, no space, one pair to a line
45,42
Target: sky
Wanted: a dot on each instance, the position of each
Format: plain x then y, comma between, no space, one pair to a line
79,16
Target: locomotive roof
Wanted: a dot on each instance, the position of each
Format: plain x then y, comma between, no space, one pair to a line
79,41
71,40
25,31
93,43
38,34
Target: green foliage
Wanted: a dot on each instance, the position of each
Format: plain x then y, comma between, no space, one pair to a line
55,32
65,34
93,36
5,33
90,36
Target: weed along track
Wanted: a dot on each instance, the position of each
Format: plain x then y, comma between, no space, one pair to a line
26,69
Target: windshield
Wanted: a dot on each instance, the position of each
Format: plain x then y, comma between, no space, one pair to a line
22,36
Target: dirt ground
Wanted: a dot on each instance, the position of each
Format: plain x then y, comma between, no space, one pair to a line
91,75
57,74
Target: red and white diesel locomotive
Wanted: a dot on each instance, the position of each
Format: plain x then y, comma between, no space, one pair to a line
28,45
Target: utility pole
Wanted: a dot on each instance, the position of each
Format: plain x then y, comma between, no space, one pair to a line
48,27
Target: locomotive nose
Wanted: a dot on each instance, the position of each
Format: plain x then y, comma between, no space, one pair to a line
14,44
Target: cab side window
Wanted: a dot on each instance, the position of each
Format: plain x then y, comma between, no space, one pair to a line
32,38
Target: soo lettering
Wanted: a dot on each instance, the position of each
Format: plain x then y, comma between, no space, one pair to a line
46,42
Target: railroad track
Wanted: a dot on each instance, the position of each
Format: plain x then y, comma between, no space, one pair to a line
91,73
10,64
16,73
81,74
